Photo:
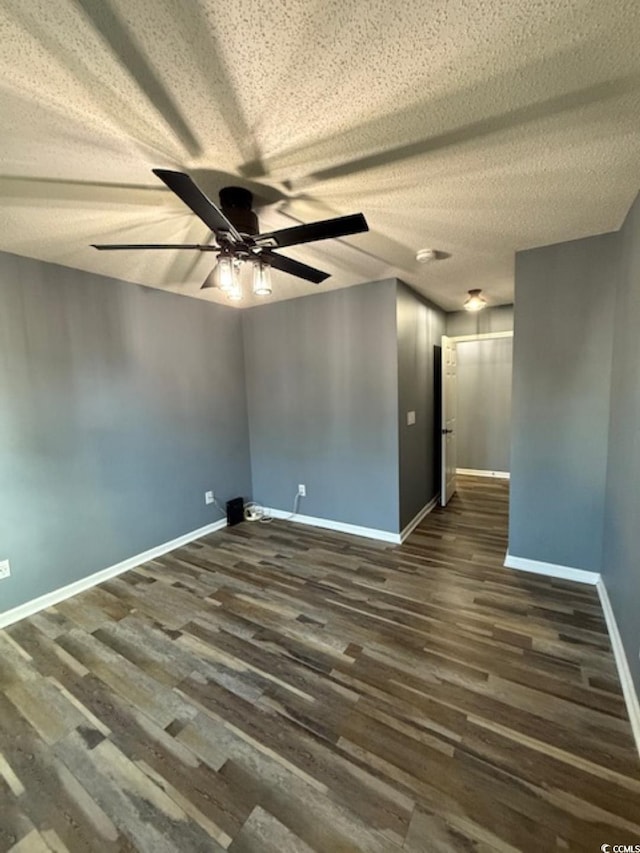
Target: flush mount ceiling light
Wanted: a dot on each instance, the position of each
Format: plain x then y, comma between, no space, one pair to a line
237,238
475,301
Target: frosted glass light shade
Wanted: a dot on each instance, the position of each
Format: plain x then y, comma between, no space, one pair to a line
475,301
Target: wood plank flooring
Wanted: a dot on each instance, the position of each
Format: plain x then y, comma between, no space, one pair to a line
282,689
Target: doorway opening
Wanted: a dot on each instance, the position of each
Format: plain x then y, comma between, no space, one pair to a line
474,408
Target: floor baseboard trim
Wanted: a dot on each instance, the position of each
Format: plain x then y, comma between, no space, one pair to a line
594,579
415,521
338,526
551,570
624,673
478,472
62,593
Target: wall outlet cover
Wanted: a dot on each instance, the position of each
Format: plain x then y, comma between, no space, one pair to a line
411,418
302,490
208,497
5,569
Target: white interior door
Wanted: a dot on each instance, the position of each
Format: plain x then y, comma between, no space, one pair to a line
449,406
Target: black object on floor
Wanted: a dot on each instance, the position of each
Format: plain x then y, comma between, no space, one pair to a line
235,511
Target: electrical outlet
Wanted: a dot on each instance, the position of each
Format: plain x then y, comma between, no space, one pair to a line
208,497
302,490
5,569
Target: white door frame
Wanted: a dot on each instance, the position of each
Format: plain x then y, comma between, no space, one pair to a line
483,336
449,405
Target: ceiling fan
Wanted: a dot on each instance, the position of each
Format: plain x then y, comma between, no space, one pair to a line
236,230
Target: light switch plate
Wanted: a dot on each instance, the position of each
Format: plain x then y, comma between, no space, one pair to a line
411,418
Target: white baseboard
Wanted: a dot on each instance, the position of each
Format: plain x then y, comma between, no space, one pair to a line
477,472
64,592
550,569
339,526
418,518
593,578
354,529
624,673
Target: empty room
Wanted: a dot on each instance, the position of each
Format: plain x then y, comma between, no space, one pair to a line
319,426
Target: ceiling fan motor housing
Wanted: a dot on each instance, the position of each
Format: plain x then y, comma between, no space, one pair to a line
236,204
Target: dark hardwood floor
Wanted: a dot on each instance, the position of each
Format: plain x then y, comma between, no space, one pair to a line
284,689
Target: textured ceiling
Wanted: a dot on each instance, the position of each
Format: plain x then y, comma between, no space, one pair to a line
478,127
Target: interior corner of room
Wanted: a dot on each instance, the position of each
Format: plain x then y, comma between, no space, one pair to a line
122,405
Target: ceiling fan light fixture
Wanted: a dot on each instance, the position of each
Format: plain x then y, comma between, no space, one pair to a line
235,294
228,273
235,227
261,279
475,301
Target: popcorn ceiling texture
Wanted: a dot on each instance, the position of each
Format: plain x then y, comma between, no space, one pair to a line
478,128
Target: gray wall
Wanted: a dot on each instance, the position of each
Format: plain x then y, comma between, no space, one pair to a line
560,415
322,381
119,406
420,327
621,551
484,404
490,319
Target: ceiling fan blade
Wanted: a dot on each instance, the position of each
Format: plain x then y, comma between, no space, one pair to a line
327,228
279,262
115,246
186,190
